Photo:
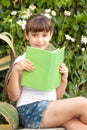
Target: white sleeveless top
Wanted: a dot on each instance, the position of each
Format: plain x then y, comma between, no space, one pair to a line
29,95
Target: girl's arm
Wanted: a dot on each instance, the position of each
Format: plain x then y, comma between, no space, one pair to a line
61,89
14,88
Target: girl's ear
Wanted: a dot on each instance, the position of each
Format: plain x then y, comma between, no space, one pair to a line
26,35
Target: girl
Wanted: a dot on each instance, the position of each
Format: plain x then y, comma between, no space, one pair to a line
38,109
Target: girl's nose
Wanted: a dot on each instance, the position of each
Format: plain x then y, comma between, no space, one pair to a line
39,39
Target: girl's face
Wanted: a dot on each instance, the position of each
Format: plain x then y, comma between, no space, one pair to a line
39,39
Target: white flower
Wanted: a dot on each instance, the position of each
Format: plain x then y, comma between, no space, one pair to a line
67,13
53,13
22,23
83,49
25,14
73,39
47,10
48,15
84,40
32,7
13,12
69,38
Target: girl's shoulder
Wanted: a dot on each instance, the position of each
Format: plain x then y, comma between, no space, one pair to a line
19,58
50,47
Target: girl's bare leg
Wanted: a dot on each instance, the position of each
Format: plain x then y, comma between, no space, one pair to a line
75,124
61,111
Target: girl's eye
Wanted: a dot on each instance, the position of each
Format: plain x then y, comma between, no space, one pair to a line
34,35
44,35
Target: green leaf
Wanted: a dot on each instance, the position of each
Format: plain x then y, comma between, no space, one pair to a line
76,27
6,3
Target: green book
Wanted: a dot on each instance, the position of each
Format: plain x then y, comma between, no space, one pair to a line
46,75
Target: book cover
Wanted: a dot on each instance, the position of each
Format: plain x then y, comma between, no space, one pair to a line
46,75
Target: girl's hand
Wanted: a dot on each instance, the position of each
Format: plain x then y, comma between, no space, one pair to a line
64,71
24,64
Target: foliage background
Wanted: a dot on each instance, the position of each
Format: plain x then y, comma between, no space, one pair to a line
73,25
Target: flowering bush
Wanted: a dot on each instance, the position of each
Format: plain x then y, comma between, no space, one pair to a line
70,18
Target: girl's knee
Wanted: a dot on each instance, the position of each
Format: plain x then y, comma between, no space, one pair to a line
82,104
81,99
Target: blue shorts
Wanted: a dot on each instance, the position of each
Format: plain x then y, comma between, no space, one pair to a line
30,115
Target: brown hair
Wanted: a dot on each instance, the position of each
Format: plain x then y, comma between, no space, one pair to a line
39,23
